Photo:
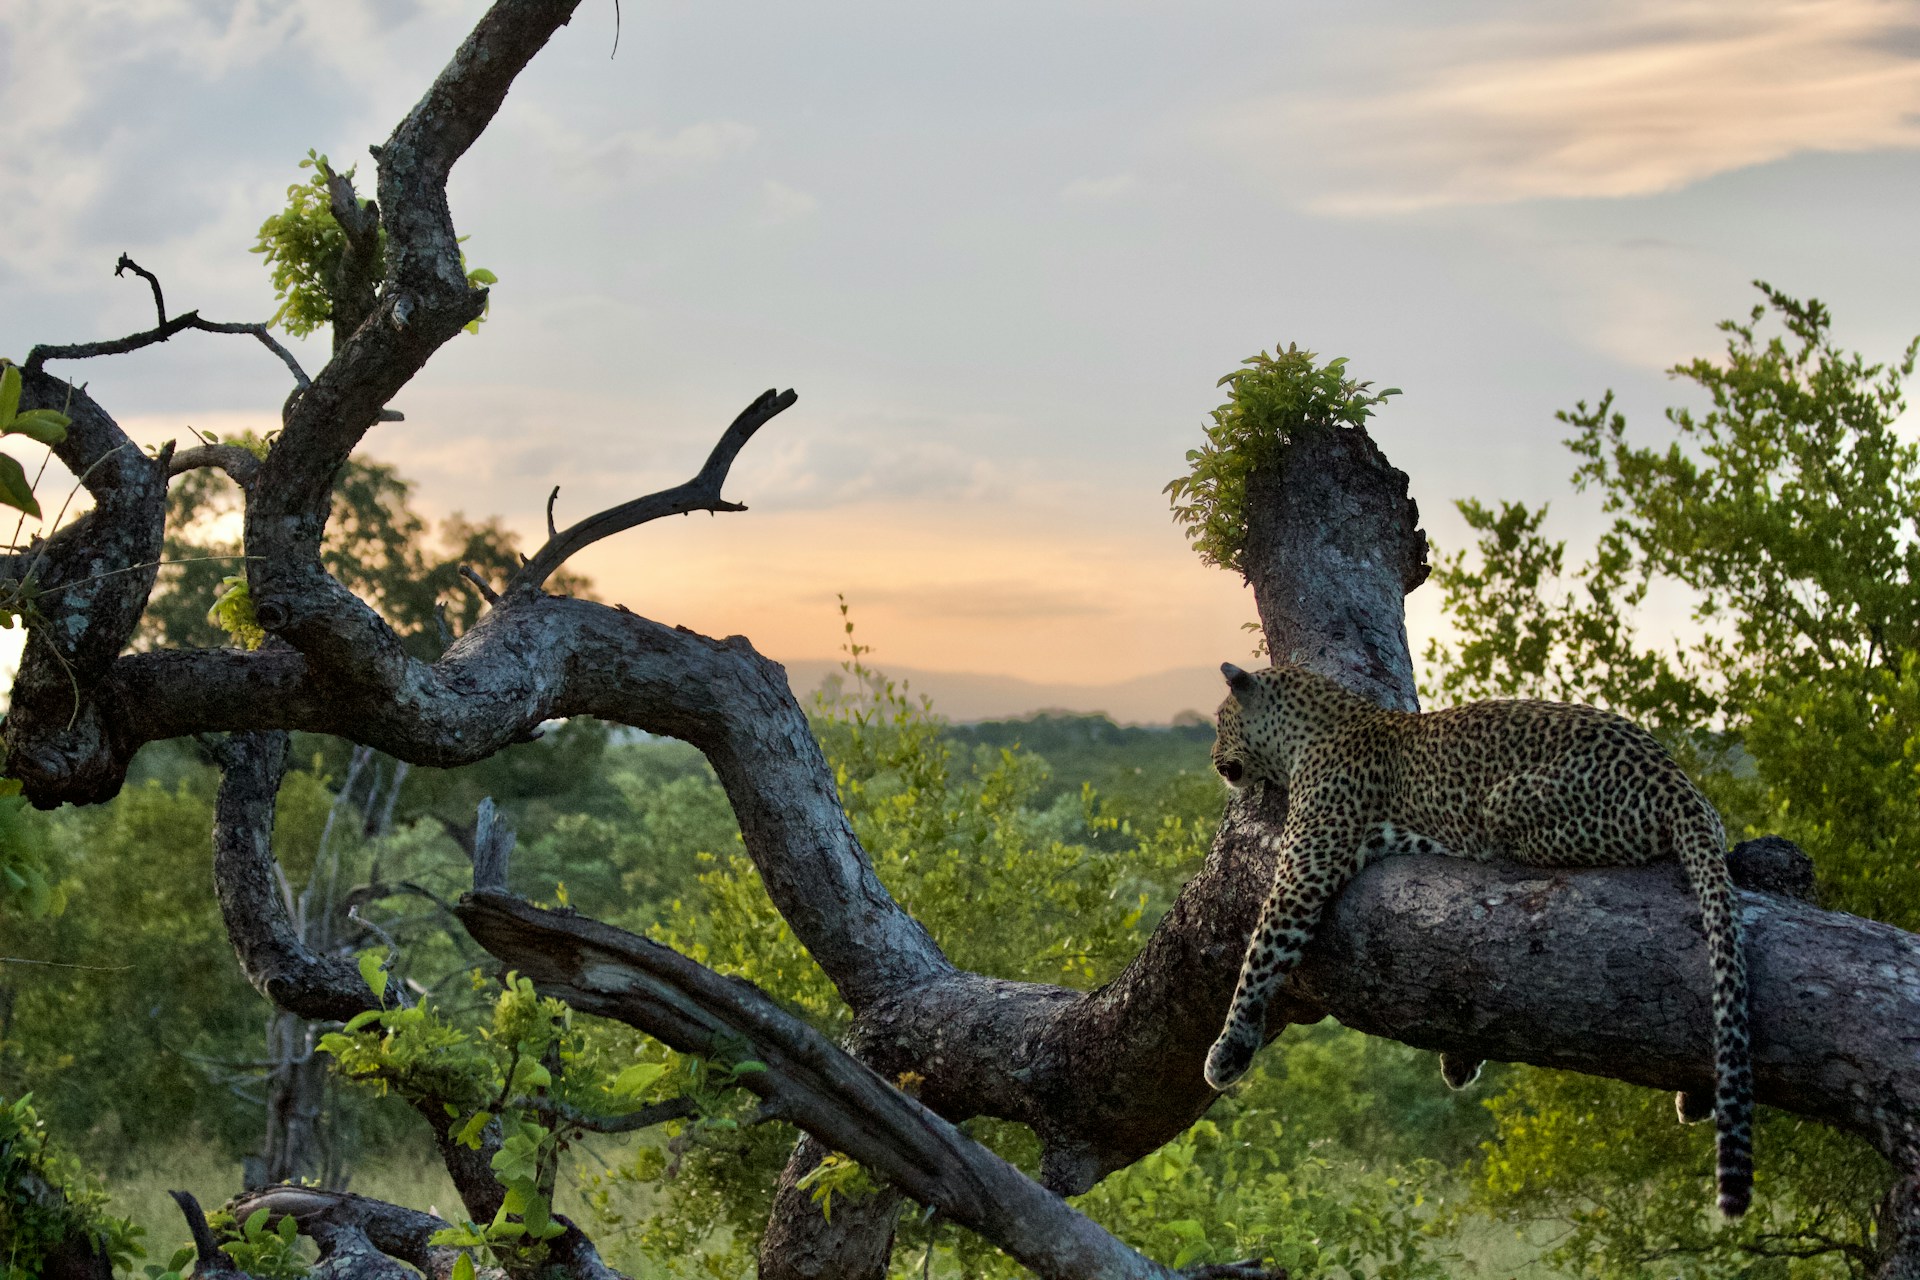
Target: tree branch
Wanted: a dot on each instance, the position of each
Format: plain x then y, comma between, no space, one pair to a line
127,264
163,330
209,1258
424,301
632,1122
601,970
702,493
391,1229
275,960
353,291
241,465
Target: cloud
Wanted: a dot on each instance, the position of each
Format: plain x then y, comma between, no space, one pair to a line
1636,99
781,203
1093,190
832,471
634,153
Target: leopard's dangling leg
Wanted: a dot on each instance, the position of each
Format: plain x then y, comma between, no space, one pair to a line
1318,854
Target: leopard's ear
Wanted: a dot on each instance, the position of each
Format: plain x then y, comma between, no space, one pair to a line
1237,680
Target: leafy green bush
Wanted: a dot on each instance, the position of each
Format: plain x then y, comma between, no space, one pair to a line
49,1205
1784,511
1631,1186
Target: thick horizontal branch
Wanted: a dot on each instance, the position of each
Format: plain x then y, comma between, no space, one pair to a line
240,464
808,1080
702,493
528,661
1421,950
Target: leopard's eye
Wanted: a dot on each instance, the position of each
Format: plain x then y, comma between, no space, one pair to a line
1231,770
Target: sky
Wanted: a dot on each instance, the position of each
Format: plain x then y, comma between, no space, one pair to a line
1003,251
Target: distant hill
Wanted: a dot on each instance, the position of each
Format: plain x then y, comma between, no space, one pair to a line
966,696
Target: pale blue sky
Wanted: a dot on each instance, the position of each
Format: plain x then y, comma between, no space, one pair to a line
1002,251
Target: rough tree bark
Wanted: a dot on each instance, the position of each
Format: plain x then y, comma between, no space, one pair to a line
1595,971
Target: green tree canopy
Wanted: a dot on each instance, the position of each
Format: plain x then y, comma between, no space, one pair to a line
1785,509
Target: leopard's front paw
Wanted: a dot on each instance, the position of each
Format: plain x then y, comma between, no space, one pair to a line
1459,1072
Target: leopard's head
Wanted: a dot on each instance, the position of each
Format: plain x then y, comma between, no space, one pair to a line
1269,715
1241,731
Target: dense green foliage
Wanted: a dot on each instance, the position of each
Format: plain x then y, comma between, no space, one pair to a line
1271,400
1784,511
49,1204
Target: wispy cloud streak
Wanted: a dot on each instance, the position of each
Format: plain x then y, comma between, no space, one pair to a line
1630,99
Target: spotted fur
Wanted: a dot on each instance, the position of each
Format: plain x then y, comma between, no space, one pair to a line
1542,783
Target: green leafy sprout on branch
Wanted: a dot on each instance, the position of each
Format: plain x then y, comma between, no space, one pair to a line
1271,400
304,245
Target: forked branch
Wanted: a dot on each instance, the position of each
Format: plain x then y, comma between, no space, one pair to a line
164,330
702,493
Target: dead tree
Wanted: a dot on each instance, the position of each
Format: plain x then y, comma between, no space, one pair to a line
1597,971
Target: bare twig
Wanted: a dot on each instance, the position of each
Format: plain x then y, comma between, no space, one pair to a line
702,493
61,964
127,264
551,499
212,1260
487,593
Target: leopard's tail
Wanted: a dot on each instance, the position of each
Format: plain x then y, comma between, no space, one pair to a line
1701,843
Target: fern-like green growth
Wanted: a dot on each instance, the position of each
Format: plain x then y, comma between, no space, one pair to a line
1271,400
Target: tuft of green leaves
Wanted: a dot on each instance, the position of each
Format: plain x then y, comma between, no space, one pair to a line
1270,401
837,1174
233,613
263,1249
303,246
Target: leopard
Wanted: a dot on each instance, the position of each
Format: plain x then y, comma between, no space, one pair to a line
1547,784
